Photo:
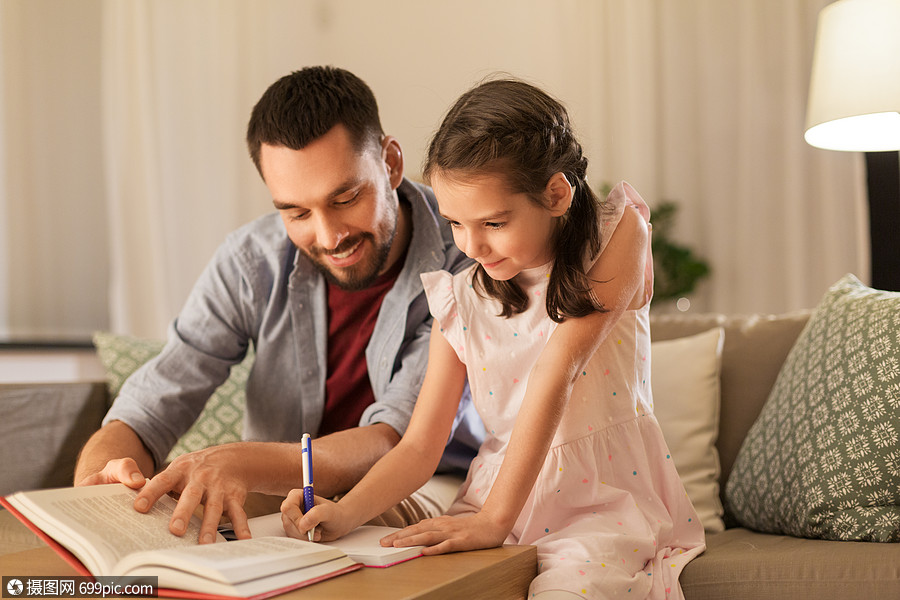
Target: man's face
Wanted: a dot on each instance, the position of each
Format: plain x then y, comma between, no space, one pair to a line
338,204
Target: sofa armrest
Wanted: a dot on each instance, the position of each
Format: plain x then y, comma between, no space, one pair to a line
43,427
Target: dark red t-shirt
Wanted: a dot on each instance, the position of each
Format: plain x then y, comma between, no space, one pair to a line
351,320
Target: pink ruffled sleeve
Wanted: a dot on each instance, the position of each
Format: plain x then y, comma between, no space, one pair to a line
444,308
619,198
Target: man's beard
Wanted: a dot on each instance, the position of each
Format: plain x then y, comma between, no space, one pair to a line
362,274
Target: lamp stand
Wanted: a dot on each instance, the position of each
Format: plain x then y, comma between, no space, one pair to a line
883,179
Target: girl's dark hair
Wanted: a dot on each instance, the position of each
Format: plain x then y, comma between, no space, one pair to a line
304,105
510,128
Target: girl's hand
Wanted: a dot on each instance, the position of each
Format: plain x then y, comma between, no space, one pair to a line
450,534
330,520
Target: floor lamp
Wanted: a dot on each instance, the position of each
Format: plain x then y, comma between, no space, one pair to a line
854,105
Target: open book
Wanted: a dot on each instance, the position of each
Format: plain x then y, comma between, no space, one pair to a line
97,530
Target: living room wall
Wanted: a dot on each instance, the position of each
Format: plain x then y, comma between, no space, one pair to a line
122,162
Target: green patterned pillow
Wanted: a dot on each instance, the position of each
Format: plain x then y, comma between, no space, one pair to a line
222,418
823,458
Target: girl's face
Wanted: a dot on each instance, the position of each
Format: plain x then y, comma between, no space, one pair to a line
506,232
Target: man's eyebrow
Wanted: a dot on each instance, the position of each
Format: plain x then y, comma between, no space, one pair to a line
337,192
279,205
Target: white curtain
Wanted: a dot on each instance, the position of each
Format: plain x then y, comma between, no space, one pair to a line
4,216
175,99
697,101
703,102
53,259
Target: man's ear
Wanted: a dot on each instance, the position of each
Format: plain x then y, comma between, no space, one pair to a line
558,194
392,154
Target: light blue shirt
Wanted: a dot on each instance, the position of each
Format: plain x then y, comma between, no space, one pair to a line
258,288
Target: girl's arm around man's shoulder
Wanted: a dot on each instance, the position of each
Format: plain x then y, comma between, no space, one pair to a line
618,285
618,274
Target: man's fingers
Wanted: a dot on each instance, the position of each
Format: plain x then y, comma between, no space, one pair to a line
235,511
118,470
187,503
156,488
212,514
130,474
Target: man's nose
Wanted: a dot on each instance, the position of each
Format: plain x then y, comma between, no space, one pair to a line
330,232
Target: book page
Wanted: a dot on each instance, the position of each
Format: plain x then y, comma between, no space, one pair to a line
133,531
99,525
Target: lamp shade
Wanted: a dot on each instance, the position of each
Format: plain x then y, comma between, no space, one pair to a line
854,90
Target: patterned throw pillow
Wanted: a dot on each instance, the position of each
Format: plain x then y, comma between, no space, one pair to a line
222,418
823,458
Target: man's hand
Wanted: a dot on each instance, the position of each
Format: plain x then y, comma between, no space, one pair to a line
450,534
220,477
214,477
101,460
124,470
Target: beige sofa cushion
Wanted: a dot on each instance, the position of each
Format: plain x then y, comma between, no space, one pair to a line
754,349
685,384
740,564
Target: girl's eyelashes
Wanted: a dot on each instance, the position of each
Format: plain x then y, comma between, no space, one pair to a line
487,224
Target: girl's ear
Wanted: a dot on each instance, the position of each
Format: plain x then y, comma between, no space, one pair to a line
392,155
558,194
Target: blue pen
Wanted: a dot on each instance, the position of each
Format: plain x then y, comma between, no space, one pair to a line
306,459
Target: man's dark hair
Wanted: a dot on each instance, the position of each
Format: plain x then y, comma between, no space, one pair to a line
303,106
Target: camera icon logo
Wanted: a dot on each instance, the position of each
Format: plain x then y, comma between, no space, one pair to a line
14,587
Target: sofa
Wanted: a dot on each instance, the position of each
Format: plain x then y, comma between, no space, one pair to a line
712,376
741,564
745,564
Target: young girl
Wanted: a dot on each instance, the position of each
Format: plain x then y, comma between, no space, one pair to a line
550,326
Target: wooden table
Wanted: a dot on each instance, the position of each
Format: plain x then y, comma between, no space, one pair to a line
494,574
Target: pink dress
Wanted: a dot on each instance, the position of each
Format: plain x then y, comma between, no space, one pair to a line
608,512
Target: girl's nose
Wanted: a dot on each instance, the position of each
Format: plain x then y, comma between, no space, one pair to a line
474,246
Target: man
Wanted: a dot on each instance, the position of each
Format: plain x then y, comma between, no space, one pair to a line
326,290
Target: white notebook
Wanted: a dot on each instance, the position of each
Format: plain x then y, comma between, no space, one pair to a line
362,544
